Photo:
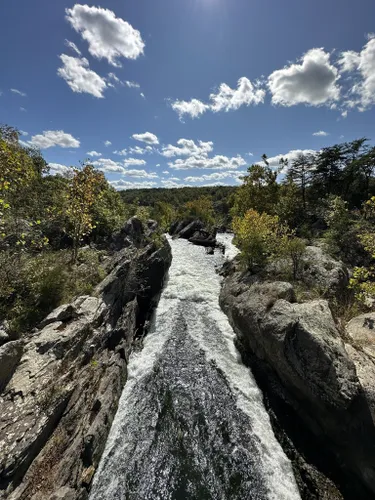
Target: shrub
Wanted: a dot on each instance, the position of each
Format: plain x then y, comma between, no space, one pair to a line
294,248
257,236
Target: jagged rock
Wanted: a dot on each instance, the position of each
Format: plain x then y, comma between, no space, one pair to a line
298,356
189,230
57,408
10,354
6,334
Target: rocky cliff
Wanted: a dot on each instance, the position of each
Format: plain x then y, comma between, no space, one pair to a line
60,385
318,387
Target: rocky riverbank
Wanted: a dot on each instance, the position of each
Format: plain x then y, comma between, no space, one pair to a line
317,380
60,384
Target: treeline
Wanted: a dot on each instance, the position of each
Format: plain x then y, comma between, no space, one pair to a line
328,194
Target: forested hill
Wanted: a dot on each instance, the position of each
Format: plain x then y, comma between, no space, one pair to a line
176,196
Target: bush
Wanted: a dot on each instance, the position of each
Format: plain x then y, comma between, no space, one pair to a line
257,236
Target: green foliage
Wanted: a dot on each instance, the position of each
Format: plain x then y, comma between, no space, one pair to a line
337,218
109,213
294,248
258,237
164,213
202,208
259,191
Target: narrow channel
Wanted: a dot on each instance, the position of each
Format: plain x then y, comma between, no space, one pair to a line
191,422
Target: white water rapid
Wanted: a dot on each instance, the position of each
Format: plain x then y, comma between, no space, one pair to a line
191,422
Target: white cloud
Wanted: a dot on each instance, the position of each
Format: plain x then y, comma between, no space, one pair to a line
16,91
23,109
193,108
75,71
132,85
57,168
147,137
166,172
51,138
321,133
108,165
73,46
114,78
172,184
122,184
142,95
122,152
107,143
228,99
344,114
22,132
94,153
313,81
187,147
137,150
274,161
216,176
139,174
108,36
134,161
218,162
250,154
363,64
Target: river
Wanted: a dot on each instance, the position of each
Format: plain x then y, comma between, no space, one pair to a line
191,422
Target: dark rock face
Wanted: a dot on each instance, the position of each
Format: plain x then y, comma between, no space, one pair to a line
195,232
315,398
61,385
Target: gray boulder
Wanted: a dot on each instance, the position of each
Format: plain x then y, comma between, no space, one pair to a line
299,357
10,354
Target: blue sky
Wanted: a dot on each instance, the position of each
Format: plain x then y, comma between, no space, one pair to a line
184,90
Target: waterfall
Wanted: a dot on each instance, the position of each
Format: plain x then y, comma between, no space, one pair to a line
191,423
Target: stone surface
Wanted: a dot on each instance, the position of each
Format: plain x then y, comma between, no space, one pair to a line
362,331
299,357
63,389
10,354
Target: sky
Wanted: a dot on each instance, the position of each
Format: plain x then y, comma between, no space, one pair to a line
185,92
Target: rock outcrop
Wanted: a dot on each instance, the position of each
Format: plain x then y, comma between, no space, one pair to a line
194,231
318,402
61,384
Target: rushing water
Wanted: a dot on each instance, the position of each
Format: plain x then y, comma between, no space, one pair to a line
191,423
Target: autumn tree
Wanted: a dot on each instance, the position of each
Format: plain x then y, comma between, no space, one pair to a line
85,188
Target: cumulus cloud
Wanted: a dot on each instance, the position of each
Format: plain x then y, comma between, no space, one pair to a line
225,99
51,138
80,78
121,152
57,168
313,81
93,153
321,133
363,65
108,36
137,150
215,176
132,85
122,184
73,46
218,162
193,108
274,161
139,174
107,143
108,165
187,147
16,91
147,137
245,94
134,161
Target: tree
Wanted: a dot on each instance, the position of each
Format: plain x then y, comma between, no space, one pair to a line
257,235
299,171
259,191
85,187
202,208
